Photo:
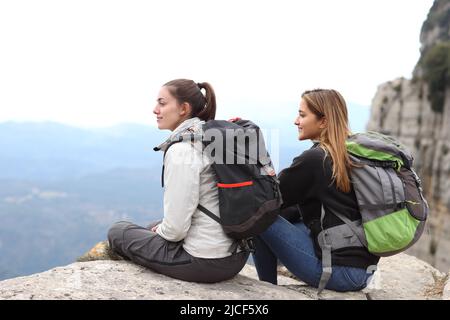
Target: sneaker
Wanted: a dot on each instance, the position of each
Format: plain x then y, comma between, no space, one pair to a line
101,251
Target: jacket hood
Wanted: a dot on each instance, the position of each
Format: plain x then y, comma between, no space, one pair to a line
187,128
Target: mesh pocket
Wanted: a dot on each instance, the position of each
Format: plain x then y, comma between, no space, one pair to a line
414,200
237,200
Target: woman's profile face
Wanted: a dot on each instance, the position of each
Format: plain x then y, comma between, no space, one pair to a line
169,113
309,125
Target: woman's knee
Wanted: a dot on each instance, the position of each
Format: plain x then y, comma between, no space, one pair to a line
117,230
348,279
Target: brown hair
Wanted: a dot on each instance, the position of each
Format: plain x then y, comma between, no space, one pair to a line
184,90
331,105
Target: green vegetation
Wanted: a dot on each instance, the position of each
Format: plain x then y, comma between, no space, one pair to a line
436,67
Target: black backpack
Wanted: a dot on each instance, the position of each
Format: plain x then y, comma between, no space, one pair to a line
249,194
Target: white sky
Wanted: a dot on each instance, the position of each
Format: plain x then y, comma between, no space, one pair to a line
97,63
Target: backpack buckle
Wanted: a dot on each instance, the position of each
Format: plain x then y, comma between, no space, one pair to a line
247,245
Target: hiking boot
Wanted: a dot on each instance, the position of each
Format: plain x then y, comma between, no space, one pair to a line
101,251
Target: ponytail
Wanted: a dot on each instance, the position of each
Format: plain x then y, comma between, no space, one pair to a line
209,110
203,106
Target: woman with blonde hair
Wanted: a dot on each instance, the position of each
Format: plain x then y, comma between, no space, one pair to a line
318,178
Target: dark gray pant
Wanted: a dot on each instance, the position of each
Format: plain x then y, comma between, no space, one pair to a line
150,250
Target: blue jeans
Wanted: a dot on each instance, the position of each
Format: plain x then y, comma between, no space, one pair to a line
293,246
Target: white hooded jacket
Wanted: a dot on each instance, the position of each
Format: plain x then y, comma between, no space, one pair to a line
188,181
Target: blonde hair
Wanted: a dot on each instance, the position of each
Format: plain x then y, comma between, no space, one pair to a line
331,105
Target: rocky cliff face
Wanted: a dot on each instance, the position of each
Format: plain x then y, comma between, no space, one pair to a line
397,277
417,111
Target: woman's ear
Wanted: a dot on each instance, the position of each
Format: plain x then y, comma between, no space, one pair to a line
185,109
323,123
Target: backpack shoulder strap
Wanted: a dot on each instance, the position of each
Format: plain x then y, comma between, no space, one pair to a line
326,245
209,213
358,231
244,244
180,139
326,256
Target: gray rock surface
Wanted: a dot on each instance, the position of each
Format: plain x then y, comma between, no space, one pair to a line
446,292
107,279
398,277
405,277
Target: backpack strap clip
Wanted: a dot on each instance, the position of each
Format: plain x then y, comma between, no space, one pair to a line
326,257
247,245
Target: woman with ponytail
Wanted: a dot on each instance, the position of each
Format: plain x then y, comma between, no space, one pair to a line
319,176
186,244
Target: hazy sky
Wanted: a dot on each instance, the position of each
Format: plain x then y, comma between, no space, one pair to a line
97,63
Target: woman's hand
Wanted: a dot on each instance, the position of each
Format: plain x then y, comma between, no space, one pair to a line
154,228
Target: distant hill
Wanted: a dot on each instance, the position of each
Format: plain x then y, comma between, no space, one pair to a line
50,224
50,151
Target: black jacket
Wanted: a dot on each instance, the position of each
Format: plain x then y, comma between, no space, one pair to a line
308,183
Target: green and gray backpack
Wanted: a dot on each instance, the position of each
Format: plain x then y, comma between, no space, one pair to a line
390,199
